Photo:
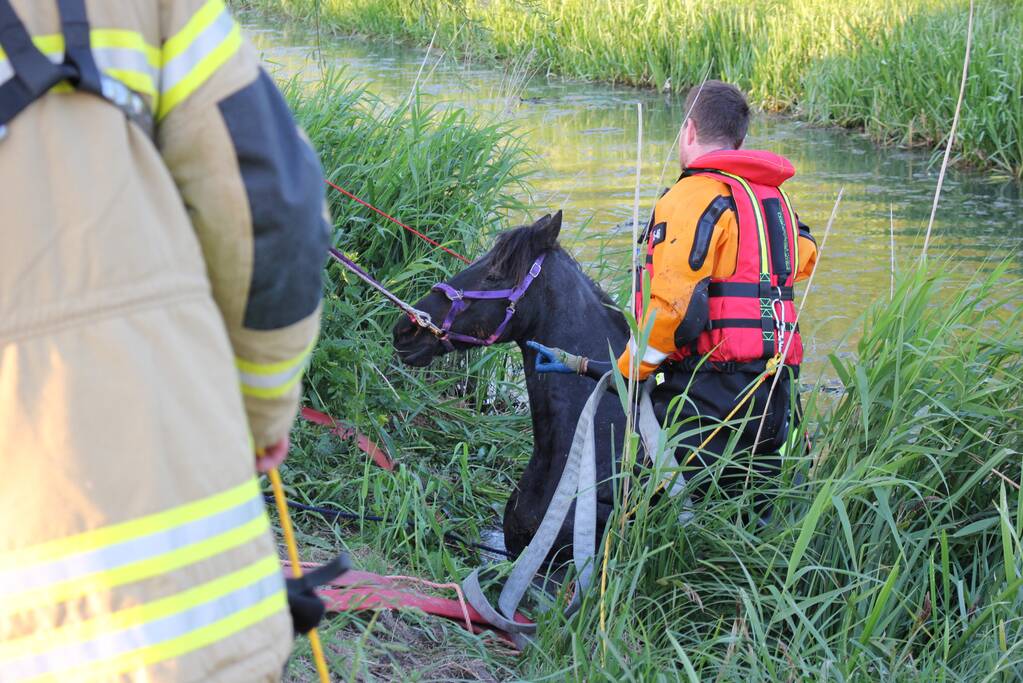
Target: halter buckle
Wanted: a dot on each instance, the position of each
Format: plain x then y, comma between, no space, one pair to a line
534,271
424,320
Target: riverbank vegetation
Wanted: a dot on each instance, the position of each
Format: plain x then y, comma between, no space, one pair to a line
894,551
889,67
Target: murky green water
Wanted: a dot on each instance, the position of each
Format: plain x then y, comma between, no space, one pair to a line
587,134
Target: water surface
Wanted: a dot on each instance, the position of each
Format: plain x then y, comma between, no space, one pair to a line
586,135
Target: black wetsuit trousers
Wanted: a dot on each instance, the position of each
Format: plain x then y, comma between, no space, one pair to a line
710,397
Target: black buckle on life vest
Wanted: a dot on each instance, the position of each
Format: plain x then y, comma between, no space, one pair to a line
751,290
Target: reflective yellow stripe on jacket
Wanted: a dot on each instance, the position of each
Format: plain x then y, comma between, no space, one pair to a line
272,380
192,55
148,547
123,55
169,75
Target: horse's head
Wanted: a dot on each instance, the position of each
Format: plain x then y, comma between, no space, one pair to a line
507,272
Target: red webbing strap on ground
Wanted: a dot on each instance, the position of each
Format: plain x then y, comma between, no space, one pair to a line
366,445
356,591
396,221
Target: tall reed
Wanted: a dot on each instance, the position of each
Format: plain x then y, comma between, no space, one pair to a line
889,67
894,548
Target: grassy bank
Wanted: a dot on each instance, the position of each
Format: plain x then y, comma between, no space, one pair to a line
894,552
890,67
458,430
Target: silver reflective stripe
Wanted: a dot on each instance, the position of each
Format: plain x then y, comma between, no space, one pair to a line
127,552
273,381
119,643
177,69
651,356
127,60
106,58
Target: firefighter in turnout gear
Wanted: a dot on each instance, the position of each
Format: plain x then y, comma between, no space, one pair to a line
722,253
164,230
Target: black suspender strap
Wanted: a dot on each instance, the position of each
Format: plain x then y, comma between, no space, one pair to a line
34,74
77,46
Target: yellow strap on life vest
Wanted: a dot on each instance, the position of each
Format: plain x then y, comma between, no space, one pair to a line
795,233
761,223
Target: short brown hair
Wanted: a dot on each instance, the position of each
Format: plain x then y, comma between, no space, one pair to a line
720,112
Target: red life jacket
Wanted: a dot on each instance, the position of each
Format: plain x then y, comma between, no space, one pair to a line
752,312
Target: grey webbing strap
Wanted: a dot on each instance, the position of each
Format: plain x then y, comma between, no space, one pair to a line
650,431
578,483
661,456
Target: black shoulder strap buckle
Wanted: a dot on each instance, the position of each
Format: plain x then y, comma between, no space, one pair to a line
34,74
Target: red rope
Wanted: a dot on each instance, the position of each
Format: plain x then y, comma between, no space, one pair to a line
397,222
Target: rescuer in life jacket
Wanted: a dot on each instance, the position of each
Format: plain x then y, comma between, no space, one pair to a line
163,236
722,252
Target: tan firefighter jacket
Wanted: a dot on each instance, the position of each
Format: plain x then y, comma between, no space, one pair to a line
158,302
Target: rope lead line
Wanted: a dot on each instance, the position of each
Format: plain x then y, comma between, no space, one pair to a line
296,567
397,222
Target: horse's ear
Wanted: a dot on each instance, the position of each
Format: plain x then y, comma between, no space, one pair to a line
546,231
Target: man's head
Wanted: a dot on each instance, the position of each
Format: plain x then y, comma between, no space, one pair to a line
718,119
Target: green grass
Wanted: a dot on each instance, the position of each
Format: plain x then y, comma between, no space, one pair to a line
459,429
890,67
898,557
894,555
451,176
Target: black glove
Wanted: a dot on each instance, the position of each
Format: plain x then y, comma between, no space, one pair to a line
307,609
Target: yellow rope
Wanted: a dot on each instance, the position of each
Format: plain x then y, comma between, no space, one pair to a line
772,366
296,567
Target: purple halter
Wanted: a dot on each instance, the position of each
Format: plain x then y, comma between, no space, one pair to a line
458,305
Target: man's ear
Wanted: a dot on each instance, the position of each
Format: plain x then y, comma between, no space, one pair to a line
546,231
690,131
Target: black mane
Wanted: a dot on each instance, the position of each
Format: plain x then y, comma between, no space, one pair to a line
513,253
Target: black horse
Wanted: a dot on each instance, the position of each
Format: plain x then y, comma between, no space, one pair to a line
562,308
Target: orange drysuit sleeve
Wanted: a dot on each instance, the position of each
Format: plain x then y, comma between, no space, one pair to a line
695,238
807,253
